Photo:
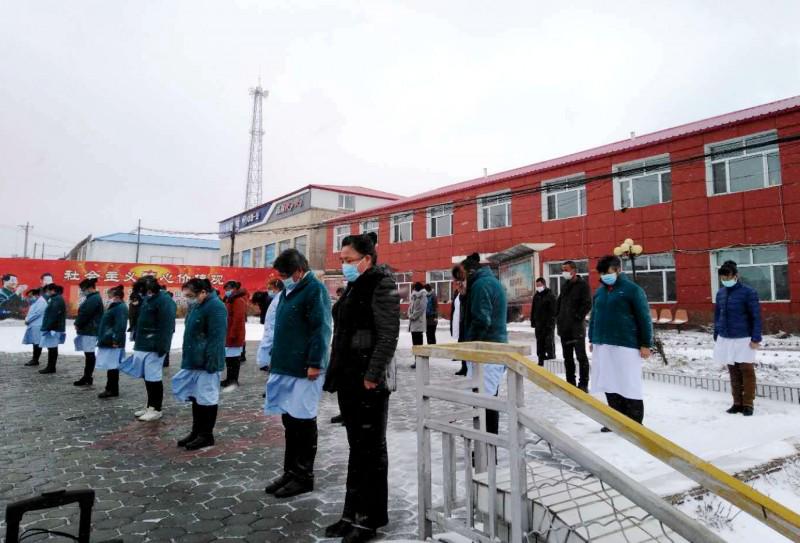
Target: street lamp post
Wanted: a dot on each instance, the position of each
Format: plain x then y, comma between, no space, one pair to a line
628,249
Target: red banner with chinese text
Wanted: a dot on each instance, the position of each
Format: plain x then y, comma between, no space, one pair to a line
69,273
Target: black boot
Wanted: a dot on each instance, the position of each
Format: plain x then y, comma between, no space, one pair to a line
112,385
52,358
193,434
37,352
463,370
340,528
88,371
232,374
278,483
359,534
205,430
302,460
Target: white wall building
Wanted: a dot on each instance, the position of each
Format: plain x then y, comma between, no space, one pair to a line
121,247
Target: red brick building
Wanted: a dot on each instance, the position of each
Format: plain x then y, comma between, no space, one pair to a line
723,188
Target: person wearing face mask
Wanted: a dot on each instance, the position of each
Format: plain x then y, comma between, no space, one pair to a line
417,321
298,359
361,373
111,340
543,319
621,336
263,356
457,312
90,312
33,324
572,306
154,328
136,297
236,303
53,325
737,335
202,362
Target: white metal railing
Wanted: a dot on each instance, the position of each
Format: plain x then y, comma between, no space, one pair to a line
628,506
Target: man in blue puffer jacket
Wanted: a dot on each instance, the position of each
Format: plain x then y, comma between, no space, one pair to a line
737,335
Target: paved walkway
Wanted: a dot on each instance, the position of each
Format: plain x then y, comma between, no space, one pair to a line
54,435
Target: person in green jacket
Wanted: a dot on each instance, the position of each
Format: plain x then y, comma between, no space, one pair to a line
299,356
620,336
198,380
111,340
154,328
54,324
90,312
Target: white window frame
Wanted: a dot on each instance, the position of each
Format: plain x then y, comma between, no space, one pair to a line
395,222
283,245
643,267
496,197
258,256
223,261
634,170
339,233
268,261
305,249
439,212
249,254
364,226
741,265
765,152
403,279
347,202
581,191
439,279
547,275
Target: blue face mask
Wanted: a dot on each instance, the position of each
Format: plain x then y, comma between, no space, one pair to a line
191,303
351,272
728,282
271,294
289,283
229,293
609,278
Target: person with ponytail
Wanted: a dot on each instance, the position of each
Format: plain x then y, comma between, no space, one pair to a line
235,303
203,360
111,340
362,373
90,311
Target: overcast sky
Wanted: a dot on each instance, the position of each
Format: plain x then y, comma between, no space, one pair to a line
113,110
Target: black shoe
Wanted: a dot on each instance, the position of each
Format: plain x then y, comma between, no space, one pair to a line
83,382
584,388
294,488
461,373
188,439
224,383
338,419
108,394
278,483
47,370
340,528
32,363
413,366
747,411
359,534
734,409
605,430
200,442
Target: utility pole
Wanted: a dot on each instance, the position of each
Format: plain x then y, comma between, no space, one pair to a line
233,243
34,249
138,239
27,227
254,183
42,250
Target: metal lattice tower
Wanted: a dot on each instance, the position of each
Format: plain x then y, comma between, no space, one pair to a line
254,181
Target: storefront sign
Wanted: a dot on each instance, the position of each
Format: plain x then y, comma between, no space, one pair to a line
247,219
517,278
290,206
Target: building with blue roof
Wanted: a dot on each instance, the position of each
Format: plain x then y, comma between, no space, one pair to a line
151,249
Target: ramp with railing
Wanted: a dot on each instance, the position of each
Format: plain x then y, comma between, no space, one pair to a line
532,482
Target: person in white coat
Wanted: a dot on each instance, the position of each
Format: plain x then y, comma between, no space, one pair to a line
33,324
417,323
263,356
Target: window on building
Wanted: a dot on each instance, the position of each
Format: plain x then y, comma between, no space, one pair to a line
441,281
766,269
656,275
370,225
743,164
440,221
642,183
236,260
166,260
283,245
247,258
347,201
301,244
258,257
339,233
401,227
552,273
223,261
494,211
564,198
404,282
269,255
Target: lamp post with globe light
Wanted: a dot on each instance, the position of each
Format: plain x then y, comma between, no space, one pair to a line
628,249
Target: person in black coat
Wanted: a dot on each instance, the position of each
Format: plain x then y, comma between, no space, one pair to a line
543,319
53,325
574,303
366,332
90,312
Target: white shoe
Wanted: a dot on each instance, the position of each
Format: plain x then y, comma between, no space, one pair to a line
140,412
230,388
150,415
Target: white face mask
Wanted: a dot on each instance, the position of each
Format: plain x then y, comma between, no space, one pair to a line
539,289
566,275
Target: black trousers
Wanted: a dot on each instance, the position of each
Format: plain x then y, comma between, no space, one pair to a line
545,343
112,381
633,409
89,363
576,348
52,357
204,418
301,447
365,414
37,352
232,364
430,333
416,338
155,394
